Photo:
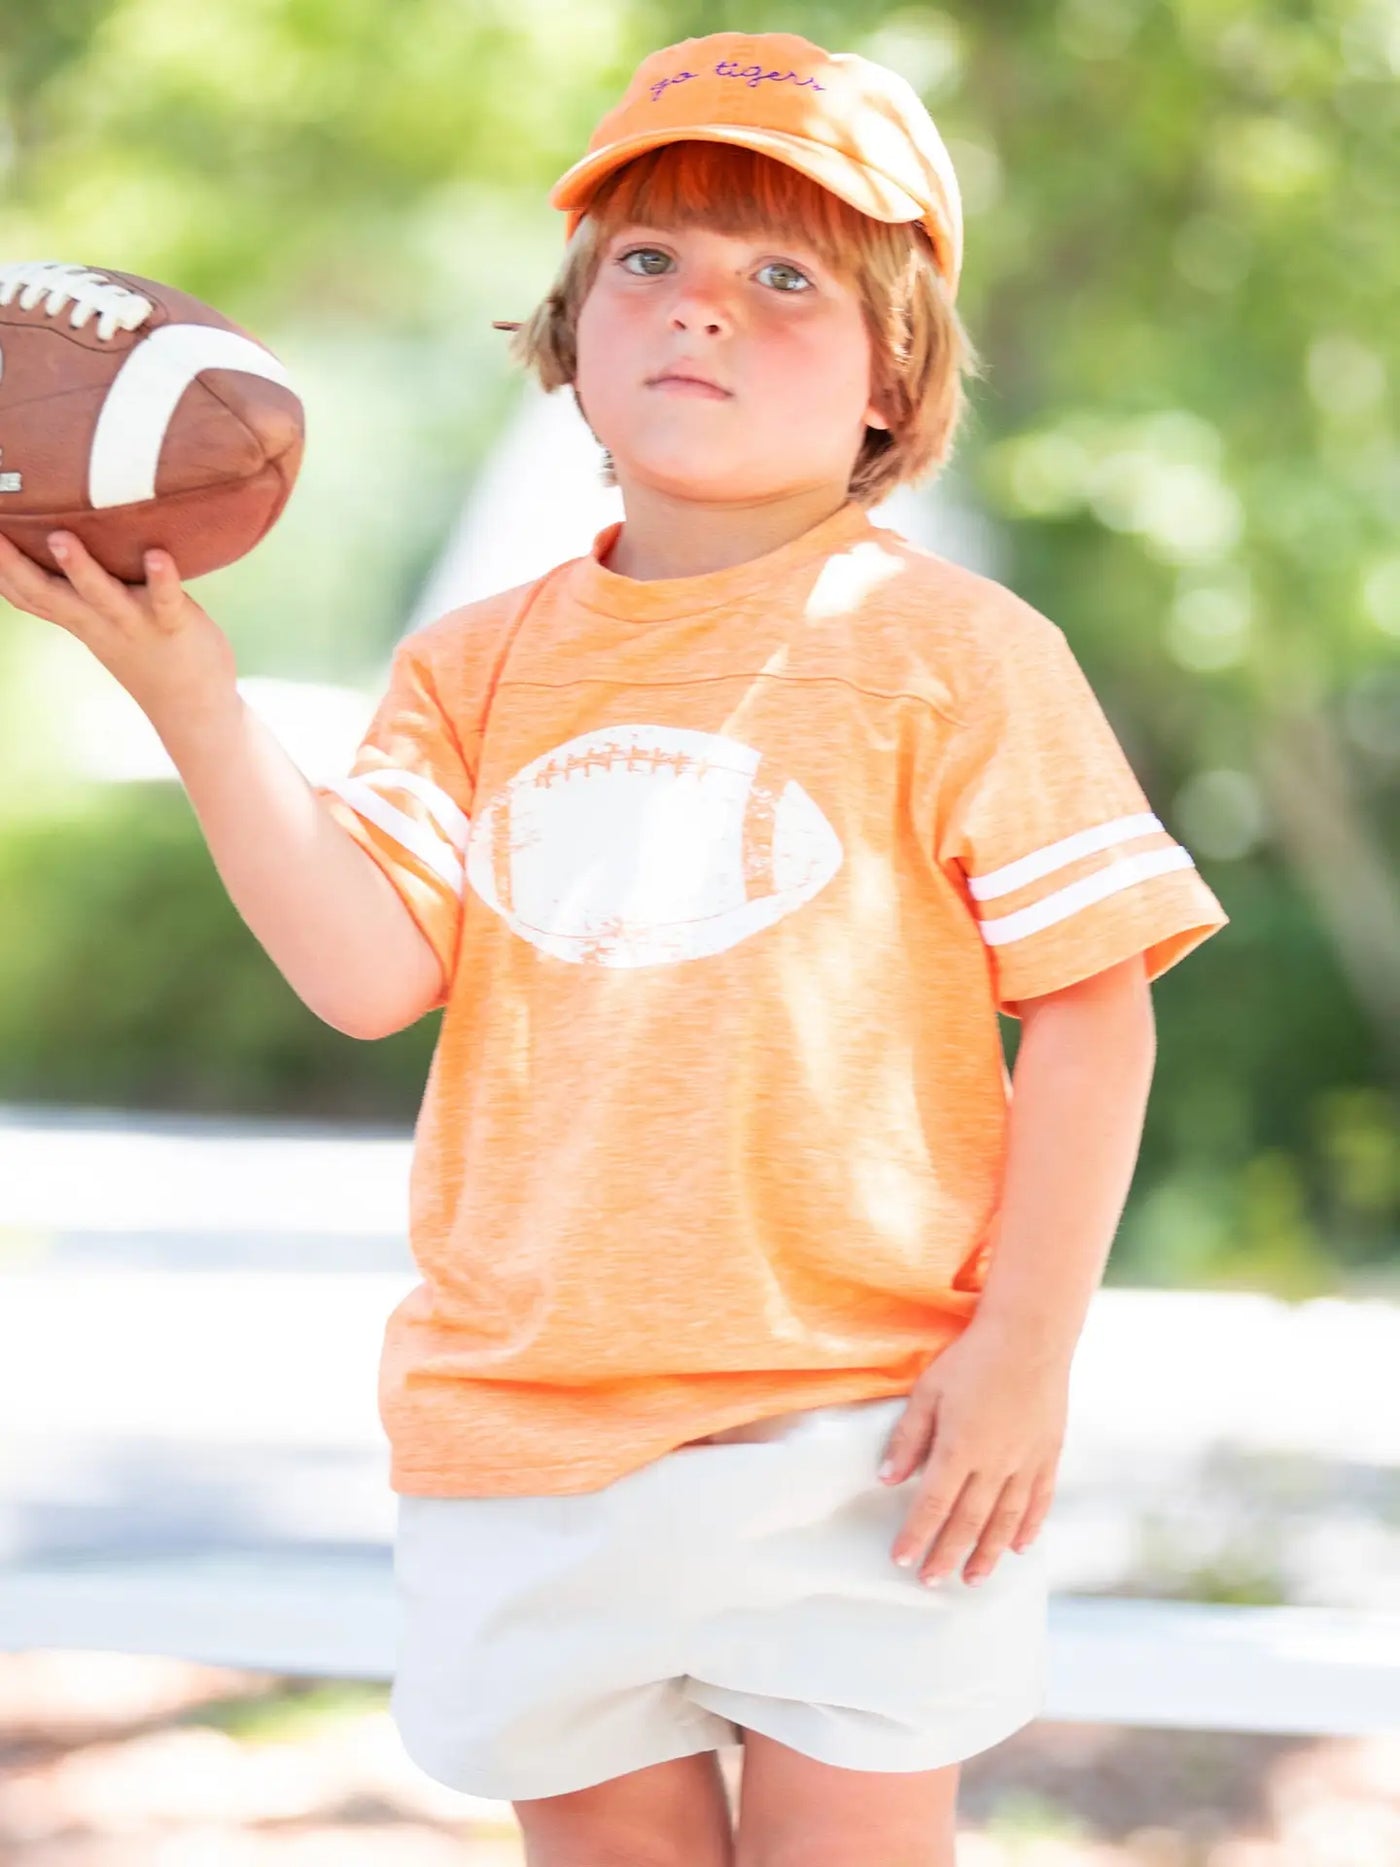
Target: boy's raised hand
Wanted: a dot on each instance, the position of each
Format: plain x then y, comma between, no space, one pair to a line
166,651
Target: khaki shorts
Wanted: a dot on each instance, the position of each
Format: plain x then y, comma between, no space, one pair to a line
549,1643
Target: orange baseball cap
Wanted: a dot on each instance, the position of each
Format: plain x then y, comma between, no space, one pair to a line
854,126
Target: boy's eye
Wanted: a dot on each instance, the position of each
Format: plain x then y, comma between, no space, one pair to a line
781,265
633,252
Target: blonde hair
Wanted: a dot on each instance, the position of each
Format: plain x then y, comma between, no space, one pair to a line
920,352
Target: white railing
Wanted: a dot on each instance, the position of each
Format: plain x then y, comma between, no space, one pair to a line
178,1479
1184,1664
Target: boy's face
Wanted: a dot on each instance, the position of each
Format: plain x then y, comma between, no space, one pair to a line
762,316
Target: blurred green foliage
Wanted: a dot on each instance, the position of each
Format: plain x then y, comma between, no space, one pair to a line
1181,268
129,980
288,1710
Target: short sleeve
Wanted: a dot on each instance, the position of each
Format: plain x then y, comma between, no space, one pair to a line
1066,867
406,799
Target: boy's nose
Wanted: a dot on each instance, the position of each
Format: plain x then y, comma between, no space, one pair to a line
704,295
696,307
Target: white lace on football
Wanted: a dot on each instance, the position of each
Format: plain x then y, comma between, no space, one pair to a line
93,294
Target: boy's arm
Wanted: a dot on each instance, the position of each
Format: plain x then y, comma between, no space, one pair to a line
1079,1096
329,919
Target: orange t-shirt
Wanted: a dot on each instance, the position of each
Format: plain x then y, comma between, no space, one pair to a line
729,876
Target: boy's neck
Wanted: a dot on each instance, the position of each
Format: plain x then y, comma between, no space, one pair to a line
666,537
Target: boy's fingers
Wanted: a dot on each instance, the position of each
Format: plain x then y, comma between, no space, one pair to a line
83,590
24,584
167,592
107,596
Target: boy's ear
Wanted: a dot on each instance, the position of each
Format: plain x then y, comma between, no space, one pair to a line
874,419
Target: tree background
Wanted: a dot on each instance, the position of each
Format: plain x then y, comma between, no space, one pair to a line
1182,270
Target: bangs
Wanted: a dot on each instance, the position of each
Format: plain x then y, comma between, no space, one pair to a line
735,190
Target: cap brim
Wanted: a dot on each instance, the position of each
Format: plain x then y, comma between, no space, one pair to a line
864,188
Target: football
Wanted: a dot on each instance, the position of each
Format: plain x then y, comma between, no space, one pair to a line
640,845
136,417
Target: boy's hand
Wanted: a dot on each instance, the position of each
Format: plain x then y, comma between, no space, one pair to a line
995,1415
159,644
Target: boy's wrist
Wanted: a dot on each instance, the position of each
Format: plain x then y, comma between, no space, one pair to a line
1033,1338
191,725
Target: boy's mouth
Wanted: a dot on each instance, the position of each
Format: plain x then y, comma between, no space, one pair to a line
687,380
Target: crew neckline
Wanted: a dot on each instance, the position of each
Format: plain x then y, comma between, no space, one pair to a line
634,599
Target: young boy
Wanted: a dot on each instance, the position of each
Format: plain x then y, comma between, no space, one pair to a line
722,847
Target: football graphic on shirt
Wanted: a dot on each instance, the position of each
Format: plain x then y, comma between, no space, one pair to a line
643,845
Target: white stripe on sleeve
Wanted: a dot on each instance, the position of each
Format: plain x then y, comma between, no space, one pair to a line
1054,856
1082,894
362,795
454,822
